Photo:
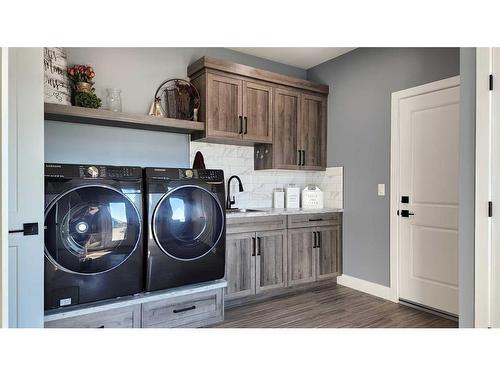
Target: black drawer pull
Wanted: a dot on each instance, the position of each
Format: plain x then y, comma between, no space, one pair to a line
100,327
184,309
316,219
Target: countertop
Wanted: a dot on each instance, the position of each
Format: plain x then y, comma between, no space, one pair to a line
282,211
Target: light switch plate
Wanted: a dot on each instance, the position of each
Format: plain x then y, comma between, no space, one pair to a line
381,190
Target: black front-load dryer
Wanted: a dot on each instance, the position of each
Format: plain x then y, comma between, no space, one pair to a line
93,233
186,237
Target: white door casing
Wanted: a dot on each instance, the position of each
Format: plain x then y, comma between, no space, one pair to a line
495,192
26,176
424,167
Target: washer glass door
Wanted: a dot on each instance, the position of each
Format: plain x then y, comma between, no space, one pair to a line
91,229
188,222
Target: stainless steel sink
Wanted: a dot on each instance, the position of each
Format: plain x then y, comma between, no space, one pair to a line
241,210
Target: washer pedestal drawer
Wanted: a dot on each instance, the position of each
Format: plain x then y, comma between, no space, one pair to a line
122,317
195,310
196,305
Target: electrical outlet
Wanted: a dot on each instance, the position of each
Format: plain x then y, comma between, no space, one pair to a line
381,190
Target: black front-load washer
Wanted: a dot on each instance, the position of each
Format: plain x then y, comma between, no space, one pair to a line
186,240
93,233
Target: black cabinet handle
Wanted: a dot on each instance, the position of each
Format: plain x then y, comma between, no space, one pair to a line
320,219
240,126
246,125
303,157
315,240
319,239
253,246
184,309
100,327
259,240
299,162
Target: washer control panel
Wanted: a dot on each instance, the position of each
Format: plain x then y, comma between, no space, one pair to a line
92,171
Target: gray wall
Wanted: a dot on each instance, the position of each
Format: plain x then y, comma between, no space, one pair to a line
359,123
466,185
138,72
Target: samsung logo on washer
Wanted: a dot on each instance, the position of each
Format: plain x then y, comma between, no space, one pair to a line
94,248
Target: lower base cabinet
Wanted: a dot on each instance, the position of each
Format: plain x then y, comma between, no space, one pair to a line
307,249
314,254
255,262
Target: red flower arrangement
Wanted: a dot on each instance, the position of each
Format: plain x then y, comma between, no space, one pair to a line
81,73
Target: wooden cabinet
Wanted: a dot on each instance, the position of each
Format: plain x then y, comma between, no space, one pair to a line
301,256
329,252
300,131
240,265
314,253
271,266
313,131
257,112
255,262
235,110
284,117
285,151
223,106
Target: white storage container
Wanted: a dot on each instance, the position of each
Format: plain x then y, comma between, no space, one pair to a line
292,196
278,198
312,197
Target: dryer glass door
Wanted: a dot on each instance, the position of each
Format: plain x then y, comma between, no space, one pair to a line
188,222
91,229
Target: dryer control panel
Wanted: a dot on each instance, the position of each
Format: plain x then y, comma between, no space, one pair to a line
209,175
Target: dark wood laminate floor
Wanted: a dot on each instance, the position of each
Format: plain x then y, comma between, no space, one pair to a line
329,306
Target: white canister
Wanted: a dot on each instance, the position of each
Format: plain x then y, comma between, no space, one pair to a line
292,196
278,198
312,198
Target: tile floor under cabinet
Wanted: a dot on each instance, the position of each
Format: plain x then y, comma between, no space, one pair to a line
329,306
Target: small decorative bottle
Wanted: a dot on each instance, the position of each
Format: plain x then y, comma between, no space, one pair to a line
114,100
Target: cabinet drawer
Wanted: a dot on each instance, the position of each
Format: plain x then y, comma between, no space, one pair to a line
254,223
314,220
195,310
123,317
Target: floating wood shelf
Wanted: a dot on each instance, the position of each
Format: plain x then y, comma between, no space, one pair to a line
66,113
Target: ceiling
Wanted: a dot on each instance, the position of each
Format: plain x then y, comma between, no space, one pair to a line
300,57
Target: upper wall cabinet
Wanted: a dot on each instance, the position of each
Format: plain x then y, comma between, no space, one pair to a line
235,110
248,106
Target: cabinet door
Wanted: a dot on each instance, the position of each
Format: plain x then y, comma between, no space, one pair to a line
301,256
271,260
240,265
257,112
224,103
329,251
313,131
285,130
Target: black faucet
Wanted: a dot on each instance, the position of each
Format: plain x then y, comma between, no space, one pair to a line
230,201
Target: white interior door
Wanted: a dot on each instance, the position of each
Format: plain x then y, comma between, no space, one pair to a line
25,186
428,176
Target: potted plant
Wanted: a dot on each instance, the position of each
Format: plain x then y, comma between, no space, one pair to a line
81,77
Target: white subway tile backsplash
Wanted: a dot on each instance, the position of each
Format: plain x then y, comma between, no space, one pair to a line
259,185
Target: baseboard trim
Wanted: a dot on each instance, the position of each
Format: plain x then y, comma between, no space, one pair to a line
374,289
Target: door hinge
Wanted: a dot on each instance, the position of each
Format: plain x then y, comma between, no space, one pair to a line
490,209
491,82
